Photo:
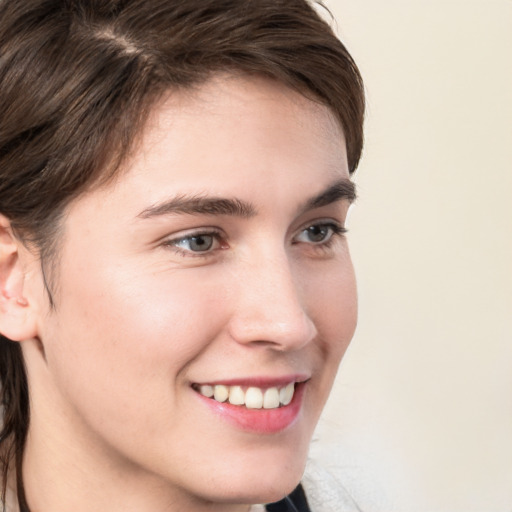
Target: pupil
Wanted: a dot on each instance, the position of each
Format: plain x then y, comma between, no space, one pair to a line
317,233
201,243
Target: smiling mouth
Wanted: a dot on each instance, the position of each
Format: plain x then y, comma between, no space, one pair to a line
249,397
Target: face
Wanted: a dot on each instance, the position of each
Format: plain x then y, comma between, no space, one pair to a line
216,264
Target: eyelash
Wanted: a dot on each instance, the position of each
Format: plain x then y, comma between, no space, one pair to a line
335,229
217,237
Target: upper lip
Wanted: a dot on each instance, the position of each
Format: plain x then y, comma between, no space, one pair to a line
258,382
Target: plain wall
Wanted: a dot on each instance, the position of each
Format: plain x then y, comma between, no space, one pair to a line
421,416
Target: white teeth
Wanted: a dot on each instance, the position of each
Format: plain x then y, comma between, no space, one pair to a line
286,394
271,399
220,393
236,395
206,391
253,398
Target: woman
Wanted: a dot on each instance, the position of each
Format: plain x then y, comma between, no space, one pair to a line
176,287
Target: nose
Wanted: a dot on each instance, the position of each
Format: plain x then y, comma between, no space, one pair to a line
269,307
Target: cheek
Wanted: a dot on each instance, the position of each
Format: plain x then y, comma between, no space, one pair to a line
332,304
117,327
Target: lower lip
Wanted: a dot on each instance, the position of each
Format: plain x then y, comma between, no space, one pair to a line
261,421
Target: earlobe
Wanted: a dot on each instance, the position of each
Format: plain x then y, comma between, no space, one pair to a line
17,321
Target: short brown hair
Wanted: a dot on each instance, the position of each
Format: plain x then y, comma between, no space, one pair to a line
78,78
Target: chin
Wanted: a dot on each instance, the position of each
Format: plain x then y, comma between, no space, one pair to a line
274,491
258,492
263,482
278,492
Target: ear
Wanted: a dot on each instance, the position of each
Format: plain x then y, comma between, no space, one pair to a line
17,319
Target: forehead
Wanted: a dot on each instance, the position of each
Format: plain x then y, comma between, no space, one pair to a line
233,136
233,113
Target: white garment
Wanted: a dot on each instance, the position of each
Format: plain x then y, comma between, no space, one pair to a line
324,492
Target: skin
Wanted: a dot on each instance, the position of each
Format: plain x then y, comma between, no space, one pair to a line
140,317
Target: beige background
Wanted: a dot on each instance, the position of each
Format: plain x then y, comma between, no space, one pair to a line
421,416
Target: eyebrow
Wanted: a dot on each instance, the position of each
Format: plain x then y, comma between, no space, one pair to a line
208,205
341,189
200,205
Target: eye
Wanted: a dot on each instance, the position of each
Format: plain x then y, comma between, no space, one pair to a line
318,234
197,243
